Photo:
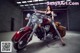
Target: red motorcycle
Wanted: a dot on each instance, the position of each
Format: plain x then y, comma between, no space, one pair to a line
45,32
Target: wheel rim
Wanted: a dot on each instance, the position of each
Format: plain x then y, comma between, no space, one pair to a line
23,43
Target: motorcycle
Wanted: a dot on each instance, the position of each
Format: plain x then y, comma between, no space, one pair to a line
45,32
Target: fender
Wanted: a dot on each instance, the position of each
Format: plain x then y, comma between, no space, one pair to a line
17,36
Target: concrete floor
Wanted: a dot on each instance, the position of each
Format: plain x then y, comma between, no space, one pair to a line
72,40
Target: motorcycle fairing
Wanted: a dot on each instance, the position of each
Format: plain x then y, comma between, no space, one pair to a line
17,35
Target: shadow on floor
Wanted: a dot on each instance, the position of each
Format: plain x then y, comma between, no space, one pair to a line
36,46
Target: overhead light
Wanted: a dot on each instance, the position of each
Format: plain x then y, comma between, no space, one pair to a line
18,2
24,2
29,1
68,0
41,0
41,3
21,5
31,4
26,5
35,0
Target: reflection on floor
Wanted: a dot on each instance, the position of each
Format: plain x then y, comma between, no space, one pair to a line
72,40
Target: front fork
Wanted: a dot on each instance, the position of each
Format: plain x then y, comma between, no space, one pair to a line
28,22
34,28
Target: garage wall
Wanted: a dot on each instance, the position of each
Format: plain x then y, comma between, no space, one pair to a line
8,11
74,18
62,17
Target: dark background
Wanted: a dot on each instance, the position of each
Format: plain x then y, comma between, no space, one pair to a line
8,11
12,17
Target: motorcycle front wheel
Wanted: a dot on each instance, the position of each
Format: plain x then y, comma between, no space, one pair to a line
22,43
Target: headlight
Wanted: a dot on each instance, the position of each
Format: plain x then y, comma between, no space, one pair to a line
28,15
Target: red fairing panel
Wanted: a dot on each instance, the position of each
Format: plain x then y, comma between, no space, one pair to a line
17,35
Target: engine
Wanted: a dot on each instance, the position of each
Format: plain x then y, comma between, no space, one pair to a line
47,27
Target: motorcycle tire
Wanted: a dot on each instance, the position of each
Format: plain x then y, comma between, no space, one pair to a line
19,47
16,46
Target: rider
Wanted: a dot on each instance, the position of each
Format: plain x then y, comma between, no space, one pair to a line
50,16
49,12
